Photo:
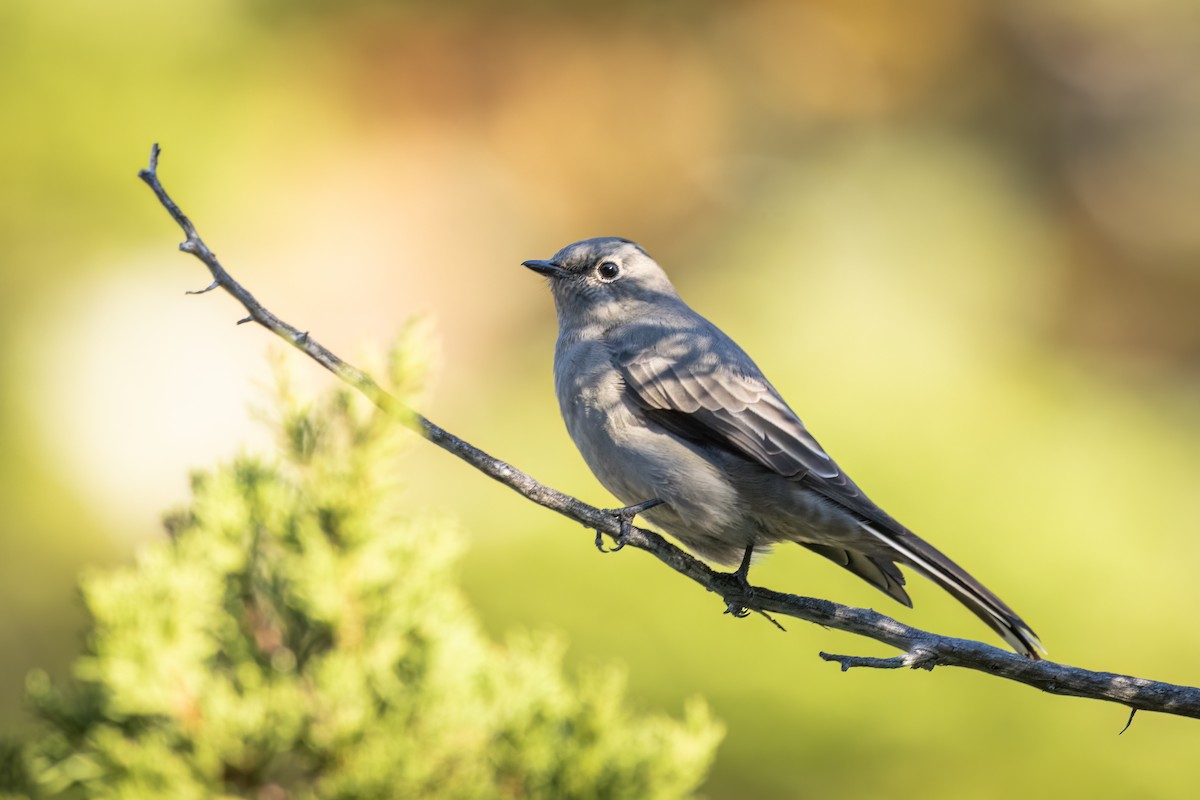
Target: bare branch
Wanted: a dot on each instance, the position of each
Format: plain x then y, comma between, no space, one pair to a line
914,660
919,649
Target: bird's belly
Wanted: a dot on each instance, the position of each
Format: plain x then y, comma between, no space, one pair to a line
637,461
715,503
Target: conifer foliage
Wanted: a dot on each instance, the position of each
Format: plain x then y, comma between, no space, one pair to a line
299,634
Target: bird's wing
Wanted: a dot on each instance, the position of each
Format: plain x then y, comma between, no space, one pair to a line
700,385
704,387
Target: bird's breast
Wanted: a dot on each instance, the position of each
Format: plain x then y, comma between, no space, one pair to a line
637,460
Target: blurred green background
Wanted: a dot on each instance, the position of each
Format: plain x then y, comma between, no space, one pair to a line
960,237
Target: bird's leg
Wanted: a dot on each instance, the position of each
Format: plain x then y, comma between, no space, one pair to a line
625,516
743,571
741,575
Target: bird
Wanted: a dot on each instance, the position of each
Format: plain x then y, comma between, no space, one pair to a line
681,425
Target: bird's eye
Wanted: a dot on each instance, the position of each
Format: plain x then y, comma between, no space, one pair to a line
608,270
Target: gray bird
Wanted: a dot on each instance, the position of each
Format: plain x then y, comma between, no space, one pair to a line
664,406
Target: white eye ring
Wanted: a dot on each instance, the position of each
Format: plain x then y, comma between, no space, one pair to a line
608,270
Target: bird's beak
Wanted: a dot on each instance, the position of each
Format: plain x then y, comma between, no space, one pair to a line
542,267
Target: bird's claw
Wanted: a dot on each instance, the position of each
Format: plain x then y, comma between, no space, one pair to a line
600,544
734,600
738,612
625,516
745,590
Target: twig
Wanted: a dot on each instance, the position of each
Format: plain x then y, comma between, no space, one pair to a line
914,660
919,649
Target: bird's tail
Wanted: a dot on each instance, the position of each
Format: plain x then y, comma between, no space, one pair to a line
933,564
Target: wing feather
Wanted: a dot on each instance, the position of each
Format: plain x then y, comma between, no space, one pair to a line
728,401
682,383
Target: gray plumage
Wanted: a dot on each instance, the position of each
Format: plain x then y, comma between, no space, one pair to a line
662,404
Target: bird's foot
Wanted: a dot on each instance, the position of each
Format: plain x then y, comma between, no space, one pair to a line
625,516
734,601
736,609
744,590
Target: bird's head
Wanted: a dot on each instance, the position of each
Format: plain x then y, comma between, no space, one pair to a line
606,280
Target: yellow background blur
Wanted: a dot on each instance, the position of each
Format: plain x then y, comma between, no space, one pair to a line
961,238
